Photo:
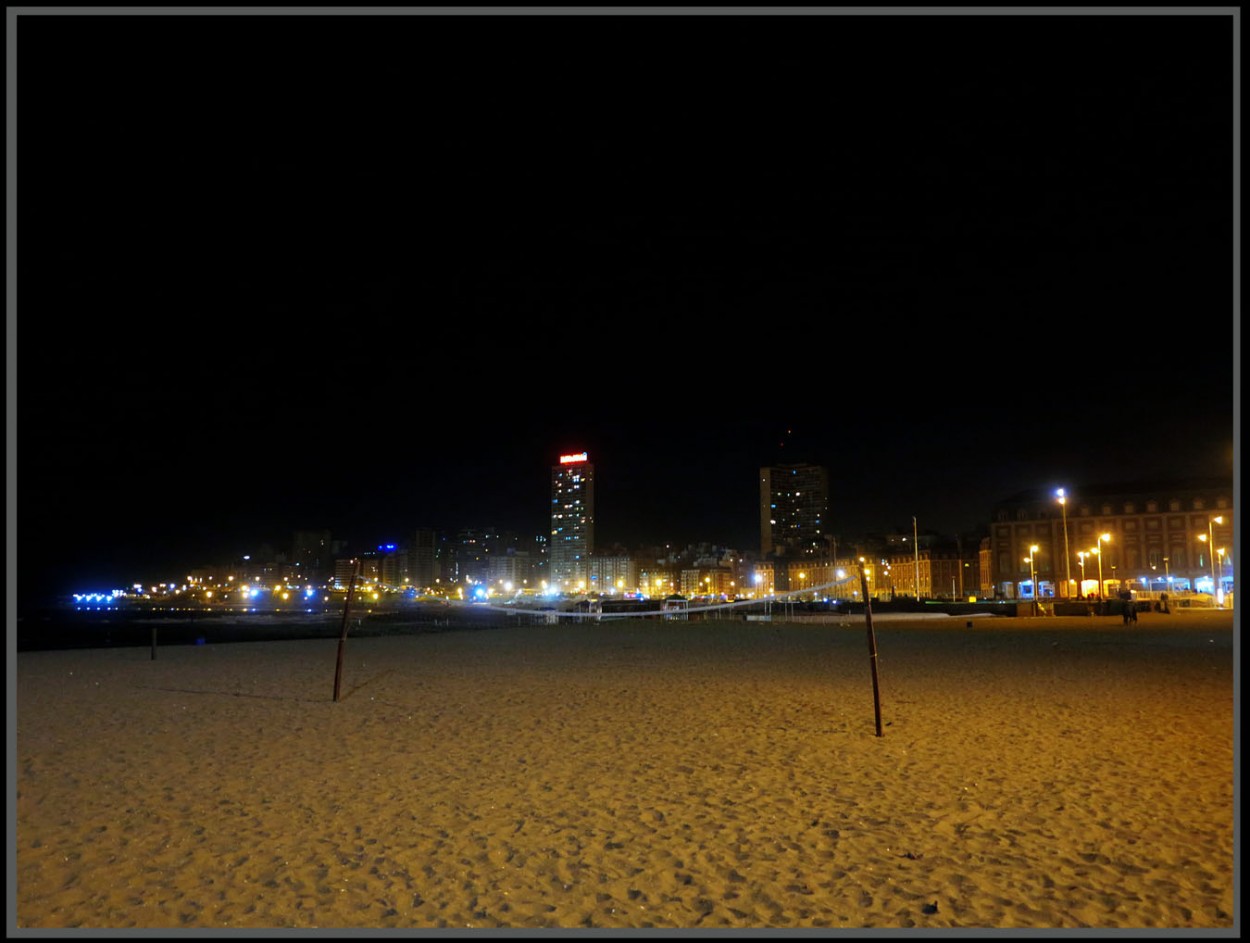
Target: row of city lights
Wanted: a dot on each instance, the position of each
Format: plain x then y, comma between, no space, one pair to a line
484,590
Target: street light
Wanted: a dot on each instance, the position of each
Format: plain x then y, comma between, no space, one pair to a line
1081,555
1067,557
1102,590
1032,575
1211,522
1219,587
1202,538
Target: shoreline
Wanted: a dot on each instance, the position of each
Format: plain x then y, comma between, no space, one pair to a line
92,631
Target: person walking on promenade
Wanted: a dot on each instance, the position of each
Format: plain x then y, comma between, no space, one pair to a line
1129,607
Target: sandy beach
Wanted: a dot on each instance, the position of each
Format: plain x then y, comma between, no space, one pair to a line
1033,773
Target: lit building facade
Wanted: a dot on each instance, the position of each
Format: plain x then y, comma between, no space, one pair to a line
512,570
1147,537
572,522
344,570
609,574
657,582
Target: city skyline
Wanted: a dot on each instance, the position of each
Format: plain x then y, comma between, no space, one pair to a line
571,569
260,293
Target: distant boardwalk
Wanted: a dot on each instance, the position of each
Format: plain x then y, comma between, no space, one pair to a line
1040,773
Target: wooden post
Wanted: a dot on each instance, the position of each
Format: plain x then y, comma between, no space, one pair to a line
347,603
872,648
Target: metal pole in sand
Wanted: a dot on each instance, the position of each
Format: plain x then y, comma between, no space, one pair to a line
153,641
347,603
872,646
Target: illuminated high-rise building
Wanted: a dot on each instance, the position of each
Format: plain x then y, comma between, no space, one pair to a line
794,510
572,522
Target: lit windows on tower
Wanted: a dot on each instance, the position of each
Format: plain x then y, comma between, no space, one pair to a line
572,519
794,505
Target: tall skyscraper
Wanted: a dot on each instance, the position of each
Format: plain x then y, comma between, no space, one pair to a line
572,521
794,508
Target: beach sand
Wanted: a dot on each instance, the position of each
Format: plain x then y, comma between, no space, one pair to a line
1036,773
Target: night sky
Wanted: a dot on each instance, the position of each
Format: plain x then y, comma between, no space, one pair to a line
371,274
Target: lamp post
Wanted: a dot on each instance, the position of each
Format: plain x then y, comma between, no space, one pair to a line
1067,557
1219,586
1211,522
1080,557
1033,574
1102,590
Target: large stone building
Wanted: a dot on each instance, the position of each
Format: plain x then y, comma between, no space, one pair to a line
1152,536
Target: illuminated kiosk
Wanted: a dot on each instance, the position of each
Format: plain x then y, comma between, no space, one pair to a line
676,608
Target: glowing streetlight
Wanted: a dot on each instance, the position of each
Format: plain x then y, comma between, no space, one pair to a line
1067,557
1080,556
1211,522
1032,574
1219,587
1102,590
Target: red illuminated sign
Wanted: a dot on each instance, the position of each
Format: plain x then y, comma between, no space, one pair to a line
569,459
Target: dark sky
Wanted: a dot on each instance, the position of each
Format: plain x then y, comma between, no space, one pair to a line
373,273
